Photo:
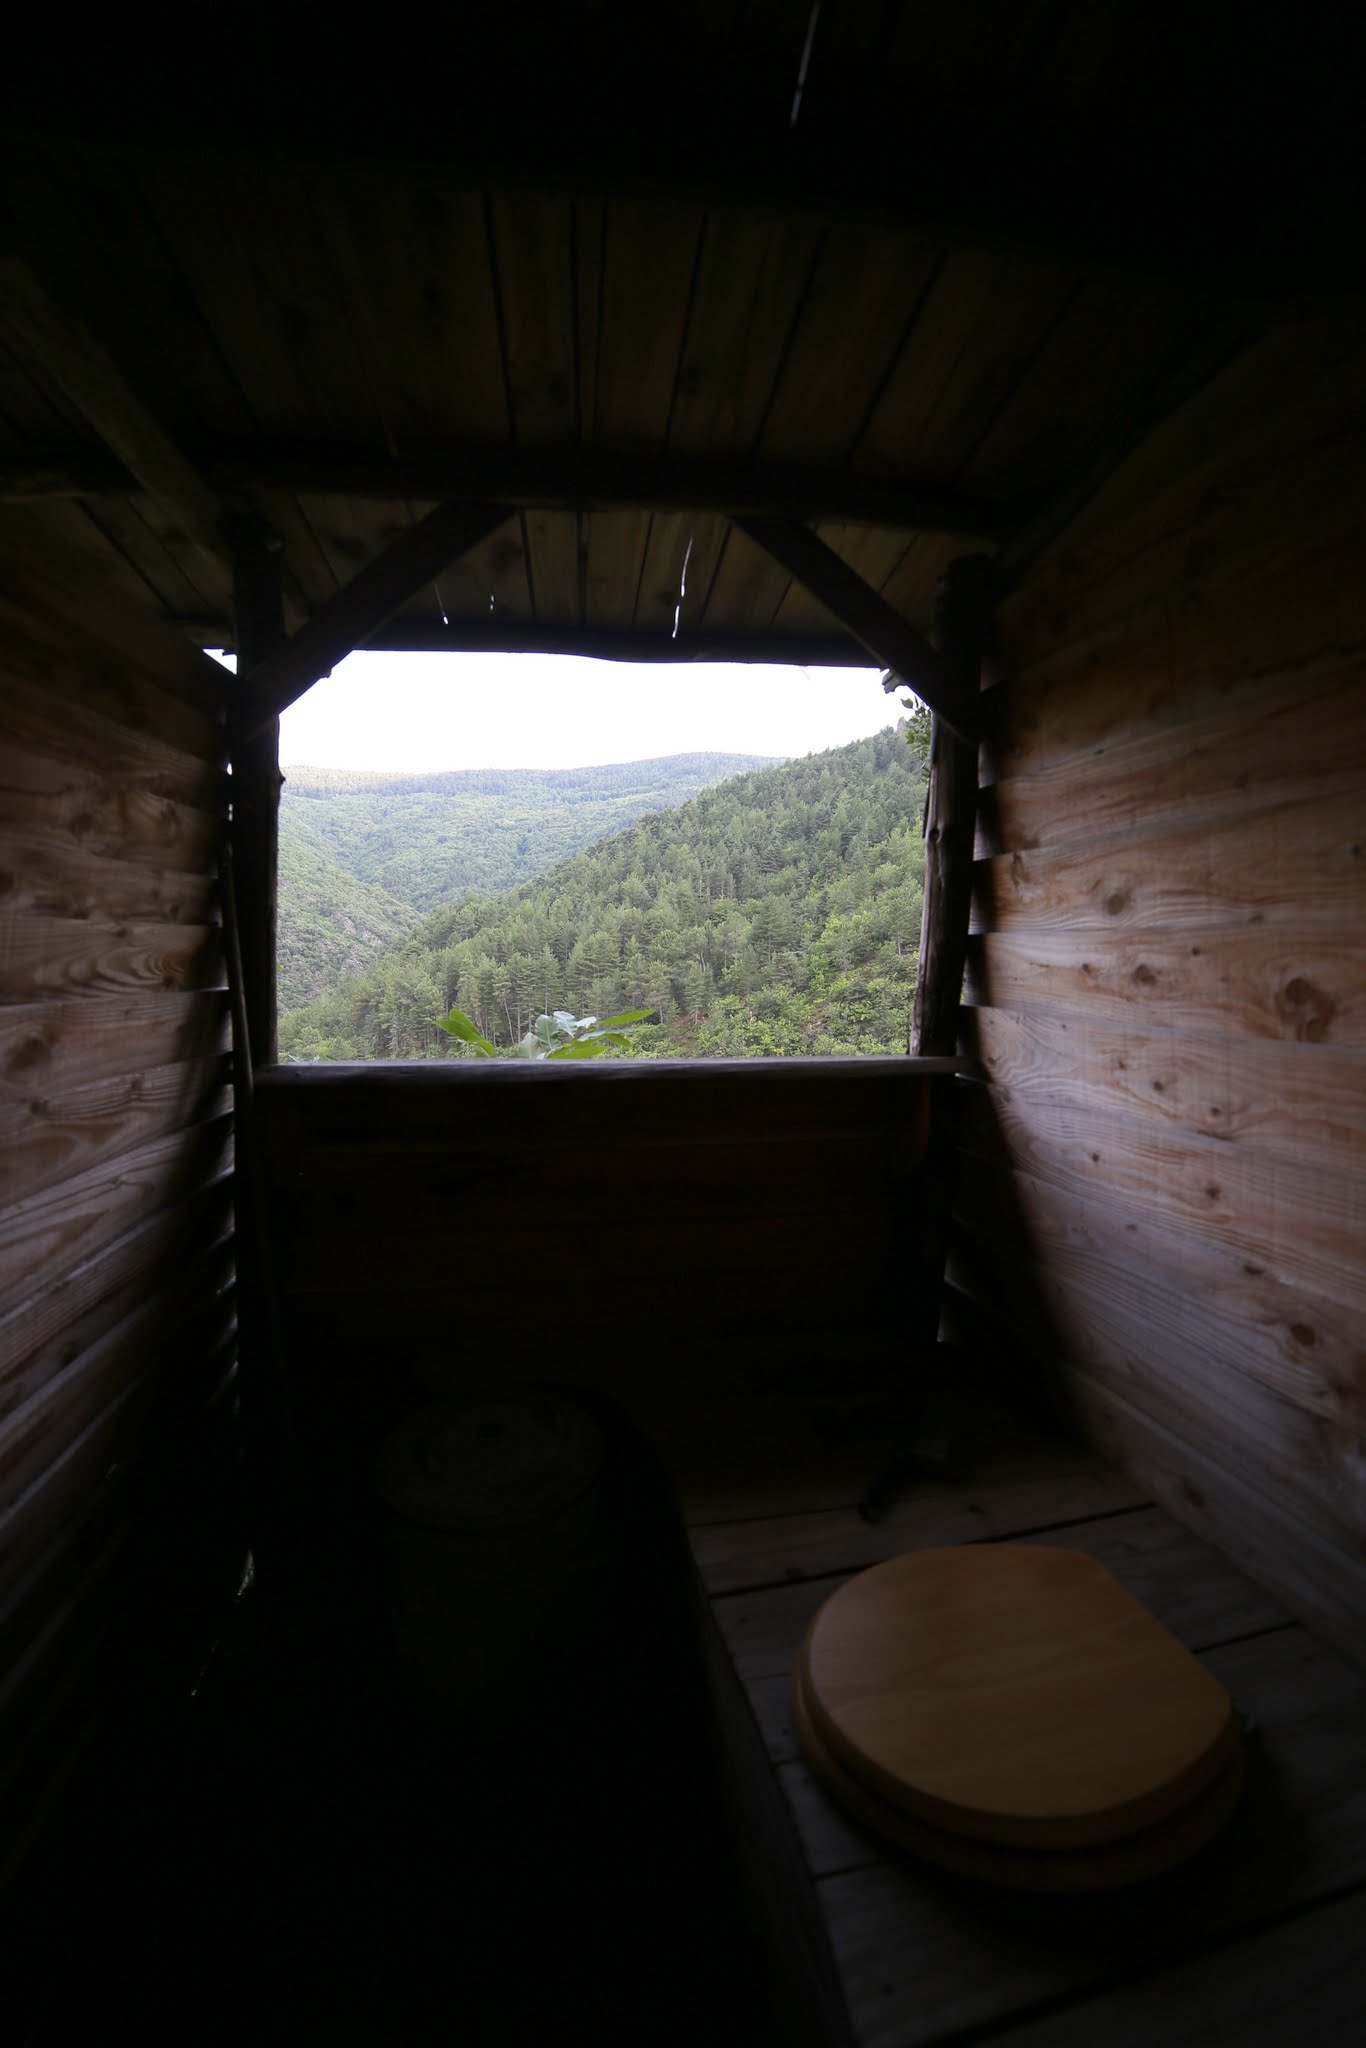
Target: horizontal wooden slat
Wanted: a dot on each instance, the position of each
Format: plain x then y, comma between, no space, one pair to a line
1315,1579
1195,1299
151,1342
1285,1100
66,809
50,1138
1218,1192
168,1255
1295,864
50,879
1279,738
98,1460
44,1239
1235,485
103,654
52,1045
1308,1465
67,956
1253,983
84,743
1058,1483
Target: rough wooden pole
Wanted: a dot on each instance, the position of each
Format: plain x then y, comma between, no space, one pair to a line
961,620
259,605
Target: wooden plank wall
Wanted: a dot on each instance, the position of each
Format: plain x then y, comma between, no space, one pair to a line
679,1235
116,1274
1164,1187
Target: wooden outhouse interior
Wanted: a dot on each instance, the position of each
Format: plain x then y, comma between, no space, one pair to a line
1016,351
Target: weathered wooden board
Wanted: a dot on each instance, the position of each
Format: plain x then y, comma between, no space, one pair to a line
47,1048
1003,1494
45,1236
1316,1579
50,1137
1269,1096
90,745
1295,864
155,1271
1220,1192
72,805
1311,1467
1271,738
1196,1300
159,1337
44,956
1249,465
1251,983
51,879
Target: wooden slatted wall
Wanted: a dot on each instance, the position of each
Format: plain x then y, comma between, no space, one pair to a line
1166,1180
117,1443
683,1236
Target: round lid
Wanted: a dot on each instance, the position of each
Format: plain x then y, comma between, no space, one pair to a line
489,1465
1014,1693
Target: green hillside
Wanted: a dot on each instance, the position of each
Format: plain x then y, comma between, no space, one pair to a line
363,853
333,927
778,912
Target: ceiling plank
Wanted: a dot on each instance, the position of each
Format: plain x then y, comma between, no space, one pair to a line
63,350
555,480
365,604
891,639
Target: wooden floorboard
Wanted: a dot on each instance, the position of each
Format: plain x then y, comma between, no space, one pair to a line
1283,1987
927,1958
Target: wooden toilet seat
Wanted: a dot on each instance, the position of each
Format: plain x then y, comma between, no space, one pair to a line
1011,1711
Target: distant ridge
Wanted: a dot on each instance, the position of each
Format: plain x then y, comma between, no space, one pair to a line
365,852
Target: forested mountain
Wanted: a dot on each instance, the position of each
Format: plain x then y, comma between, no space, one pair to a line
778,912
362,854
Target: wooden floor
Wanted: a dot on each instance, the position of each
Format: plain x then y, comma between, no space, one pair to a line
1261,1939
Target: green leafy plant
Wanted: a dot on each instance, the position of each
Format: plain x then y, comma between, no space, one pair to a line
557,1036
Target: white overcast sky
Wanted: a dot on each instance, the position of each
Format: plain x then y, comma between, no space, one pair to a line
438,711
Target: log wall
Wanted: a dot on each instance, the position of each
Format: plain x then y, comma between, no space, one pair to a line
1164,1187
117,1442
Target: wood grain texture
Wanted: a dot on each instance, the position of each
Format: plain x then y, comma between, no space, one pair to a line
1266,1096
921,1958
1249,983
1202,1300
1289,863
1013,1693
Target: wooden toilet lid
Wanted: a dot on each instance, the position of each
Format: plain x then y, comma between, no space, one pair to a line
1012,1694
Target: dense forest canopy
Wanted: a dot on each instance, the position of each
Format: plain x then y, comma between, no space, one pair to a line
778,912
363,855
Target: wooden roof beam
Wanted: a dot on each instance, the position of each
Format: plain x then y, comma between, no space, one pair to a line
61,349
362,607
554,480
892,640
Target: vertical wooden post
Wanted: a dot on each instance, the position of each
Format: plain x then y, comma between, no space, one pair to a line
962,614
962,619
259,605
250,919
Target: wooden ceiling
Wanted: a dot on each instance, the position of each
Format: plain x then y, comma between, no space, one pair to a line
876,309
